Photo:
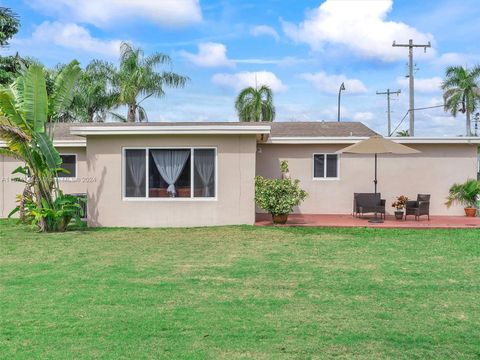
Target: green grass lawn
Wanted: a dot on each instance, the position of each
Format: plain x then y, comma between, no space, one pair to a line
239,292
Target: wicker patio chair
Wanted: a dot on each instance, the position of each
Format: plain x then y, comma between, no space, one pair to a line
368,203
419,207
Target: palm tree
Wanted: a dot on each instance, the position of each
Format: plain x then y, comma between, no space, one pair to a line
94,95
137,79
403,133
460,91
254,104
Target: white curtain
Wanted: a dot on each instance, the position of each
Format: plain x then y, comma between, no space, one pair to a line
205,166
137,167
170,164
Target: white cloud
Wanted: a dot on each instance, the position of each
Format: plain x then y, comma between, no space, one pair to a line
361,26
331,83
424,85
110,12
209,55
260,30
73,36
455,58
244,79
362,116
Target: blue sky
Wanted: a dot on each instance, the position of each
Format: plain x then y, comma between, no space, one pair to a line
302,49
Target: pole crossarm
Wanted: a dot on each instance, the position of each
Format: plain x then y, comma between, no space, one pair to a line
389,121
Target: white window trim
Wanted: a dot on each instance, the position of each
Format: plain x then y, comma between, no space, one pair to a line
147,198
325,178
70,178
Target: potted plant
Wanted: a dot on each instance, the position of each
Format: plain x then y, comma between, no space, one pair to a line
284,169
399,205
278,197
465,194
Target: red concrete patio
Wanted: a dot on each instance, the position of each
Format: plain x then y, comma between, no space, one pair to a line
435,222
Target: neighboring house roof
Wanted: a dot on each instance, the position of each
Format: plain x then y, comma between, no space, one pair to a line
320,129
62,132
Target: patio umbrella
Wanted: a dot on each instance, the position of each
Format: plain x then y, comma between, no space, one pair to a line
377,145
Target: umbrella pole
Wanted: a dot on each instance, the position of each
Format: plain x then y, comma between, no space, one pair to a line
376,219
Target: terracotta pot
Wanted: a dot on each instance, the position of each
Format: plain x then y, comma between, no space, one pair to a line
280,219
399,215
470,212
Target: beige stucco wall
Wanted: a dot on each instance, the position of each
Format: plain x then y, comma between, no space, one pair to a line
234,204
9,189
432,171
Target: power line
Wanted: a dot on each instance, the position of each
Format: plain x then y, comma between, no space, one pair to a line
388,93
400,123
410,46
422,108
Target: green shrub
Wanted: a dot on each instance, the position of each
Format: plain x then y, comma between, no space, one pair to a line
284,166
56,217
278,196
465,194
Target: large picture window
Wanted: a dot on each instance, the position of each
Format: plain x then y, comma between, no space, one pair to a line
170,173
325,166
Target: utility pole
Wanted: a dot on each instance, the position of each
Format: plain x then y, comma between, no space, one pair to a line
388,93
342,88
410,46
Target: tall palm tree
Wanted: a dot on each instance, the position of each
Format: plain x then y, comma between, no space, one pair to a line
255,105
137,79
460,92
94,95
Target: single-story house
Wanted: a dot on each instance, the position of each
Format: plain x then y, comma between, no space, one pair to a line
130,171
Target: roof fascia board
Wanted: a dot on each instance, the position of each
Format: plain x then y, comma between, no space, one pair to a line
166,130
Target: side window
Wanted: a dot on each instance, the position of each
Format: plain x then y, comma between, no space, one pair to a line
325,166
69,163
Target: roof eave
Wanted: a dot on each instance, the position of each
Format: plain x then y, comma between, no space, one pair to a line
354,139
171,130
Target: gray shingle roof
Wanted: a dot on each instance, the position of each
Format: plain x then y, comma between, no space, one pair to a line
320,129
279,129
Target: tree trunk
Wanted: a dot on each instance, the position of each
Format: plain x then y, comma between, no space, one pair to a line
468,122
132,110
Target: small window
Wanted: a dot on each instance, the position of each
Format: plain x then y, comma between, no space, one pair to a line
325,166
69,163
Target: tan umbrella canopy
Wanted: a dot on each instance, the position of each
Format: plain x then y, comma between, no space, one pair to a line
378,145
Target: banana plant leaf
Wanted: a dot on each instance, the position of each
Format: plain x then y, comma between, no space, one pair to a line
64,84
35,102
49,152
8,109
21,170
